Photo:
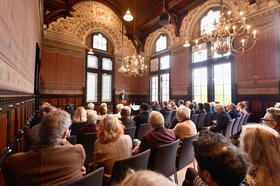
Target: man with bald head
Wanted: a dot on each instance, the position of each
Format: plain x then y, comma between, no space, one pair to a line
222,119
159,135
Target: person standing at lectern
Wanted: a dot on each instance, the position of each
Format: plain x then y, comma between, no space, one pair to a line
123,95
123,99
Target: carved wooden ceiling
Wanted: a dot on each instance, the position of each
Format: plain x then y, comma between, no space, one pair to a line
145,12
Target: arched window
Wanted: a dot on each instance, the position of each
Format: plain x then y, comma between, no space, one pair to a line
99,71
212,76
160,71
99,42
161,43
207,23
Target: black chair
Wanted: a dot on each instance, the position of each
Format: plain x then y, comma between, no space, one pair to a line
75,128
207,120
201,118
130,131
185,153
235,125
164,160
143,128
247,118
137,162
194,119
88,141
72,139
229,127
173,116
92,179
167,118
241,122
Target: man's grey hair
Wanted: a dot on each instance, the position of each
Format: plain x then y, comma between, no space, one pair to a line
156,119
91,117
90,106
183,112
53,126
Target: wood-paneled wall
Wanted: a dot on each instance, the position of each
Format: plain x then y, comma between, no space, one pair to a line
15,112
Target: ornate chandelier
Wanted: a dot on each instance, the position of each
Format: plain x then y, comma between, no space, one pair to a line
229,36
133,66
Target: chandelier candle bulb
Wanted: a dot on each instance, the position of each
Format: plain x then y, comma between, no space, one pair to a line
254,34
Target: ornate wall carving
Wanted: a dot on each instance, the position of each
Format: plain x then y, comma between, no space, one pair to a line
89,17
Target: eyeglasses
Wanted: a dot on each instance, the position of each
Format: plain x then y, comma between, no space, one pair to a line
266,120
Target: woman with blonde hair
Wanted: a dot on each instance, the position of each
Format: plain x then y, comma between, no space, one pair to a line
262,144
103,109
111,145
80,115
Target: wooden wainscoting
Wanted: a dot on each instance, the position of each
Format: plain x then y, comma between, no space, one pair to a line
15,113
258,104
60,100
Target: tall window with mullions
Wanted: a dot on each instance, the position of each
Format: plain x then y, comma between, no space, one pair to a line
211,72
160,70
99,71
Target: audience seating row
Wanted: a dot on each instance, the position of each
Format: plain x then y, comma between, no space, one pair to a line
168,160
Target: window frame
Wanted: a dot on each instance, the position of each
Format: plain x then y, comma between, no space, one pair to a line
100,55
209,63
158,73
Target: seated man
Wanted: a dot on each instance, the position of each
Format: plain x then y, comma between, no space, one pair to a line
272,118
159,135
54,162
142,117
231,110
222,119
219,162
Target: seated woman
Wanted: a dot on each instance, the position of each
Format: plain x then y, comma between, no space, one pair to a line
103,110
111,145
262,144
80,115
185,127
125,113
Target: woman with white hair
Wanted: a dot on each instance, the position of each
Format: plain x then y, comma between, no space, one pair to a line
185,127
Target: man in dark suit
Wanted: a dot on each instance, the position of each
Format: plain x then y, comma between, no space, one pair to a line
164,110
123,95
222,120
142,117
231,109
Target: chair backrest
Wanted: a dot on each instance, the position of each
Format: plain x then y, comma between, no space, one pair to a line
137,162
229,127
173,116
167,118
164,160
207,119
130,131
194,119
75,128
201,118
235,125
186,152
241,122
72,139
143,128
93,179
88,141
247,118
